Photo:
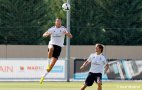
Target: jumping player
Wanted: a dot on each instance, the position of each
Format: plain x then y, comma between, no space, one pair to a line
57,34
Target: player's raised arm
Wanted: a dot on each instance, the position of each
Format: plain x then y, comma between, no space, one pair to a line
85,64
106,67
46,34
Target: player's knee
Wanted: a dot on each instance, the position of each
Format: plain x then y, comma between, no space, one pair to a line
50,48
49,56
50,52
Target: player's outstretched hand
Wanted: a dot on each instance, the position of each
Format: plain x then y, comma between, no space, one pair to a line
68,34
65,32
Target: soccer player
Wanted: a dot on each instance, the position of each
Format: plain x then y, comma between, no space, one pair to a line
57,34
98,63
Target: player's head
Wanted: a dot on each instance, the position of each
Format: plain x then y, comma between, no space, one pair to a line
99,48
58,22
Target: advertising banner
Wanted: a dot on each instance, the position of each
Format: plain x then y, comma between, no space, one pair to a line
29,69
126,69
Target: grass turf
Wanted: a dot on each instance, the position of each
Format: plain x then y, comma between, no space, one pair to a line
68,86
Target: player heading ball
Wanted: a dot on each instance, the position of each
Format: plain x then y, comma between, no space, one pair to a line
57,34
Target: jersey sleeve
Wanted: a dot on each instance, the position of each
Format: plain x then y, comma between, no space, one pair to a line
49,30
65,29
90,58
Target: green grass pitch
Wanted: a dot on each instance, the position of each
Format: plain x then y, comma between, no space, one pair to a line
133,85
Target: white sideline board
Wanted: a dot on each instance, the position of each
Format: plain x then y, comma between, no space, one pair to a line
30,69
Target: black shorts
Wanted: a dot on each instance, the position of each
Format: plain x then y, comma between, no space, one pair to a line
97,77
56,51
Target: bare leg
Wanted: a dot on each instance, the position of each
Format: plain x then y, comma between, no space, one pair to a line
50,51
49,68
83,87
99,86
52,63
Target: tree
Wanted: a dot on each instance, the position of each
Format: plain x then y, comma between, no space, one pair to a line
122,20
114,22
22,21
84,25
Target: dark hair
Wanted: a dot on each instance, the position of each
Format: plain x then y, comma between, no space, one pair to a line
58,18
100,47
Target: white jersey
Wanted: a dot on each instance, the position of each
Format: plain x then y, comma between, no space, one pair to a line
97,63
57,36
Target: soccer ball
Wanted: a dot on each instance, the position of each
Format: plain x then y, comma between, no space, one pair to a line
66,6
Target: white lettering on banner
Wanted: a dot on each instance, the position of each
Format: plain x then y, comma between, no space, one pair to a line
30,68
6,68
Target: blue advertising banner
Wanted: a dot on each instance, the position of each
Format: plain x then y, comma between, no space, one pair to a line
125,69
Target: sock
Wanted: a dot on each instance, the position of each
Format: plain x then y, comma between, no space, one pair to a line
44,75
